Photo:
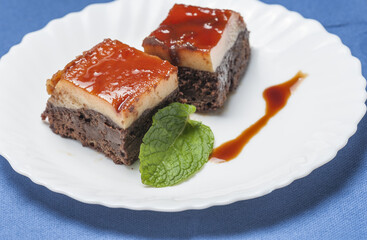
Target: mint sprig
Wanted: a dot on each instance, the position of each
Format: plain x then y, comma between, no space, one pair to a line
175,147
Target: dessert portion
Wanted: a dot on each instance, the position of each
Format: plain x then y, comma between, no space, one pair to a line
106,97
209,46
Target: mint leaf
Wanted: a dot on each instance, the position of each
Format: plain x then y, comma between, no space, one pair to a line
175,147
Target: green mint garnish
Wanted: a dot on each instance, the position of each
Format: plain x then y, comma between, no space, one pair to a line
175,147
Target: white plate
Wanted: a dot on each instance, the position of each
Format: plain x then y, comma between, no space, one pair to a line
320,116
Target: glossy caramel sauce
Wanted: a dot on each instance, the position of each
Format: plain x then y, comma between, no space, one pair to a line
117,73
276,97
191,27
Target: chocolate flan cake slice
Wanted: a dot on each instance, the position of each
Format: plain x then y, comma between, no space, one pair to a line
209,46
106,98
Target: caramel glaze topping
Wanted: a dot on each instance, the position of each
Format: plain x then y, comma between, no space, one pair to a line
117,73
276,97
190,27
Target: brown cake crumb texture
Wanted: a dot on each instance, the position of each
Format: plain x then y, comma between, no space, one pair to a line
97,131
209,90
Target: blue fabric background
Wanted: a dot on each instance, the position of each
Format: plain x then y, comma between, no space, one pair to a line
330,203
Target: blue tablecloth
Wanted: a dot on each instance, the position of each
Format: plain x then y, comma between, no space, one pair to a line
330,203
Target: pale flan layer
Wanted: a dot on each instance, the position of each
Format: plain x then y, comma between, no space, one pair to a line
195,37
114,79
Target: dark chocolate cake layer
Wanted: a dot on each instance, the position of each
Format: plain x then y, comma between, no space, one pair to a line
97,131
208,90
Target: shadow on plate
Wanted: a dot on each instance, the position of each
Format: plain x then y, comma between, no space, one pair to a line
241,217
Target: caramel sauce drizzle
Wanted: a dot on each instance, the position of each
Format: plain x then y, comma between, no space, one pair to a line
276,97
